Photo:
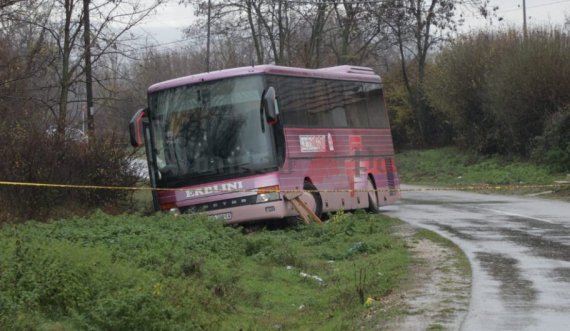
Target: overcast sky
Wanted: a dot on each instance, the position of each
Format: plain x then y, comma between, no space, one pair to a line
165,26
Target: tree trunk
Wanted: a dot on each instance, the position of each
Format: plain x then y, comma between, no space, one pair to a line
65,74
254,33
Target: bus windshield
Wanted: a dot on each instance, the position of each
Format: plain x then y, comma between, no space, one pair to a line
208,130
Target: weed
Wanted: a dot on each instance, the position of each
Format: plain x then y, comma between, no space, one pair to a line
435,327
338,217
159,272
361,284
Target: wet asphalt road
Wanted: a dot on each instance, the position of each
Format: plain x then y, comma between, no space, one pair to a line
519,249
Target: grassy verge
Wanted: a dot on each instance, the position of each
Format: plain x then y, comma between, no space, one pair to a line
452,167
160,272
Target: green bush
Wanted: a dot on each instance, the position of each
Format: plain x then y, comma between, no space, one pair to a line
403,123
404,116
499,89
35,157
553,146
528,84
455,87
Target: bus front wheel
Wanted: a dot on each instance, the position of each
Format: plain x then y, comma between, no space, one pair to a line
310,188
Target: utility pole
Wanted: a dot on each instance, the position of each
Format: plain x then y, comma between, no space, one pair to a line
88,74
524,19
208,42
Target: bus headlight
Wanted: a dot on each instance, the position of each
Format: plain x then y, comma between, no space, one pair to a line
266,194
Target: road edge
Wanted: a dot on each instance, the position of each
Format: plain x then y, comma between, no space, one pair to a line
436,293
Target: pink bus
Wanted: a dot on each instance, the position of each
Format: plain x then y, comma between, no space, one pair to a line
230,143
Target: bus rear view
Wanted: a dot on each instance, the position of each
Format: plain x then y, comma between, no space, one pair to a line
231,143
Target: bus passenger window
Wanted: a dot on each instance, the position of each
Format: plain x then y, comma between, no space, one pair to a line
339,118
376,108
318,103
291,100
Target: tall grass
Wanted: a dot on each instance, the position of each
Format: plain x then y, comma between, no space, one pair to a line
451,166
186,273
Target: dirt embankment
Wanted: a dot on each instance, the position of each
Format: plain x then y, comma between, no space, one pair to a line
436,293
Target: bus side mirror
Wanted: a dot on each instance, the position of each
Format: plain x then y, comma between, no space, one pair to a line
270,106
136,128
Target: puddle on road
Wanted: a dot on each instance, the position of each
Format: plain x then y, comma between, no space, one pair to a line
455,232
408,201
474,208
539,245
515,291
536,224
561,274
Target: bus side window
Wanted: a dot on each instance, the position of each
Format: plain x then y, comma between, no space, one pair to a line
327,106
376,108
339,96
355,100
291,100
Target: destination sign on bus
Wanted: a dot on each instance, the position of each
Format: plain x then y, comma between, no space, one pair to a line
311,144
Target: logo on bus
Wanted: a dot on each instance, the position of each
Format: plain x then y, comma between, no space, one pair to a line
221,188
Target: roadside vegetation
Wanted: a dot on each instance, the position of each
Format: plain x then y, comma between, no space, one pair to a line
493,96
41,159
499,106
452,167
166,273
497,96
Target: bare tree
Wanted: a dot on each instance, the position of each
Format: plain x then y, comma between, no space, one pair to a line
58,24
417,26
279,31
355,31
7,3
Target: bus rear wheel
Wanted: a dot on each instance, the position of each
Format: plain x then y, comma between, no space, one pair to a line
373,205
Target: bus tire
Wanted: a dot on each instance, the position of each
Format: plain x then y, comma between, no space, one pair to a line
308,186
373,206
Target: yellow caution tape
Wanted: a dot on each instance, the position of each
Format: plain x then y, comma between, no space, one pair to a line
483,187
91,187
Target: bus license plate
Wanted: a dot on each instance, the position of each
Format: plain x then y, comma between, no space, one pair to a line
224,216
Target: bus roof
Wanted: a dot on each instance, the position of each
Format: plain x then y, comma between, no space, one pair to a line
344,72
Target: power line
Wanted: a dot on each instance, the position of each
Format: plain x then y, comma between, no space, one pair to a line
531,7
331,2
314,2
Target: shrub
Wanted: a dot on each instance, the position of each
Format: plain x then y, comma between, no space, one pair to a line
32,156
402,120
499,89
553,146
528,84
456,88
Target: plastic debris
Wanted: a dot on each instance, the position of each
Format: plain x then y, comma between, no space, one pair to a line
359,247
317,278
